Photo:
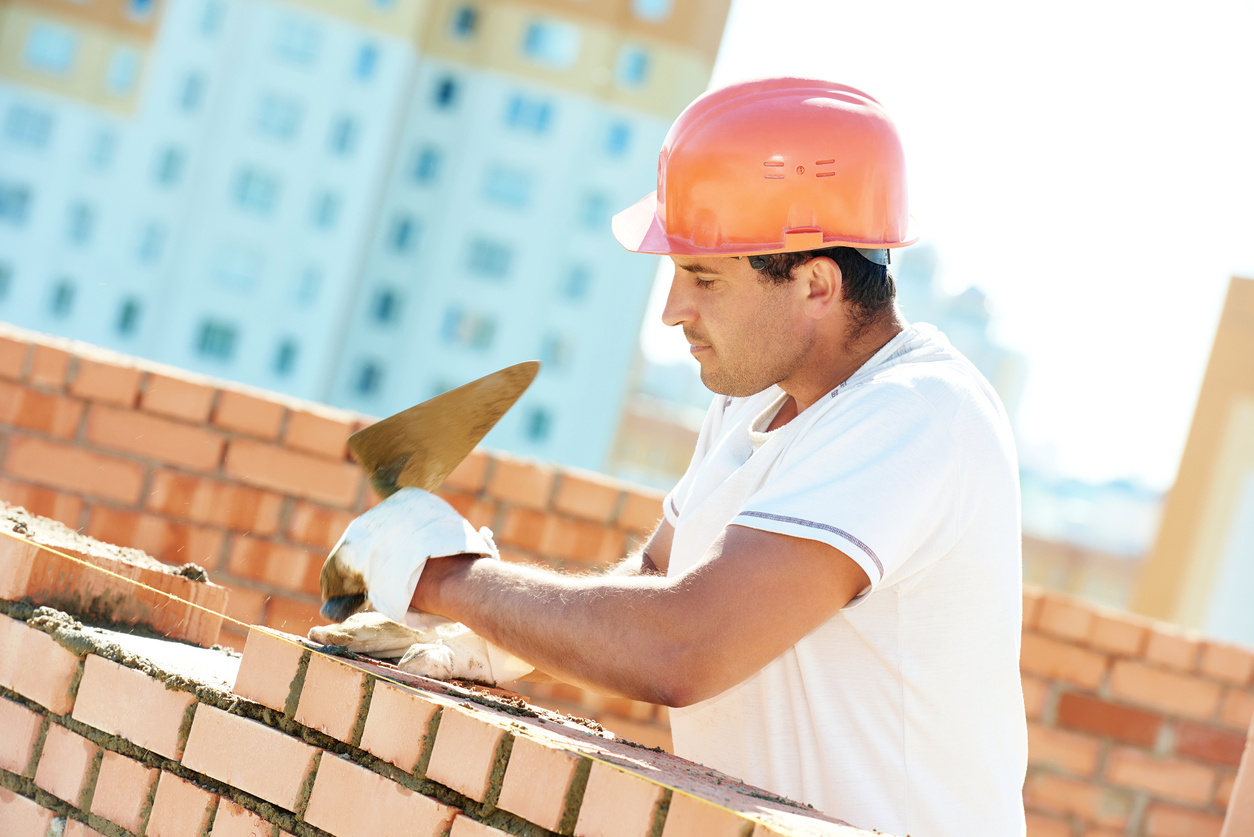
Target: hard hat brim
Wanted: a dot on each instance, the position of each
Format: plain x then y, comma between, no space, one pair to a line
638,229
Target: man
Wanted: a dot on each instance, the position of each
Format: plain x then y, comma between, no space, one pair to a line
832,602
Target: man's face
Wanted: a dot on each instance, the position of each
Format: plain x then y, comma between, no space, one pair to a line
746,332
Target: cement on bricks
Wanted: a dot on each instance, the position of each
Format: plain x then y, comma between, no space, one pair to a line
65,764
537,782
465,752
619,804
20,731
124,701
398,726
268,669
22,817
122,790
332,697
180,809
350,801
690,817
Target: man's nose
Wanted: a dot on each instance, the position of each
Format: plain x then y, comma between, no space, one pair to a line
678,309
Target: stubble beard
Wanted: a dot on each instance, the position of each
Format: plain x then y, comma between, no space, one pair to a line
740,381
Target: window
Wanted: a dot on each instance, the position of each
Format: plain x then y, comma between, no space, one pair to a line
489,258
464,22
123,71
169,166
654,11
386,306
103,145
256,190
576,282
278,116
50,49
508,187
27,126
307,286
14,202
617,138
594,211
211,17
367,62
82,223
237,267
403,234
151,242
633,66
128,316
551,43
445,94
6,279
297,41
326,210
62,302
426,167
555,351
465,329
369,377
343,136
529,113
139,9
191,92
216,339
285,357
538,424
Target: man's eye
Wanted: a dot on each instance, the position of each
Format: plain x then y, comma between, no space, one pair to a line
705,284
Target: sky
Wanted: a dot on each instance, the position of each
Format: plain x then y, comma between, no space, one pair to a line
1088,165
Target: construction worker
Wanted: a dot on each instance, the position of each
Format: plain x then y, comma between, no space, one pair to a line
831,604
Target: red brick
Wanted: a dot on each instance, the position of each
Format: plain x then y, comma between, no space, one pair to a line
521,482
298,474
64,765
21,729
1165,690
1223,792
1111,720
585,543
332,697
180,809
122,791
1035,693
1059,660
471,474
1168,778
48,683
619,804
108,382
1206,743
324,435
1172,650
234,821
126,702
398,725
477,512
1064,618
42,412
1039,826
1237,709
1031,606
181,398
65,508
1169,821
74,828
1227,663
268,669
641,510
318,525
689,816
248,414
466,827
1118,635
22,817
466,747
537,781
293,616
245,605
173,543
154,437
284,566
48,367
69,467
249,756
215,502
523,528
587,495
13,354
350,801
1067,751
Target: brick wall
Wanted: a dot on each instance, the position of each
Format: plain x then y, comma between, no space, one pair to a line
1135,728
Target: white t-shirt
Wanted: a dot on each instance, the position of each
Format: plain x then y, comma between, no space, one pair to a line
903,712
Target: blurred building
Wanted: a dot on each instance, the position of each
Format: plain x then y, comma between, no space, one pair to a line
1201,571
364,202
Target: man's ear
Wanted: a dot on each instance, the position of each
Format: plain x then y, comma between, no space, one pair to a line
821,280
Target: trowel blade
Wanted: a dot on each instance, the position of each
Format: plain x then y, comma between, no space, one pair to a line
421,446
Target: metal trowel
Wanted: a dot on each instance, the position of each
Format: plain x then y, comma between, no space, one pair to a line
419,448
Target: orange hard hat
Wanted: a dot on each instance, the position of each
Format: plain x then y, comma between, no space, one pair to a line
774,166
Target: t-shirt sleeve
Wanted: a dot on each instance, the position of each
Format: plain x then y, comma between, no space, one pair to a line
875,478
710,429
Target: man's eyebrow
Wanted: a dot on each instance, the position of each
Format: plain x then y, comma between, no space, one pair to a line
699,267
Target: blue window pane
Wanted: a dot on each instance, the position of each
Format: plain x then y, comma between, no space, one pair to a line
445,95
529,113
617,138
128,316
464,22
367,61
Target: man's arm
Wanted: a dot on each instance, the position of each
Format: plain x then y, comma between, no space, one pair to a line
673,641
653,559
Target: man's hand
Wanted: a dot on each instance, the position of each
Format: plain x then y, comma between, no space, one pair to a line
382,553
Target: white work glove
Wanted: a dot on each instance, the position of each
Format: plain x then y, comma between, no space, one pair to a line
431,647
381,554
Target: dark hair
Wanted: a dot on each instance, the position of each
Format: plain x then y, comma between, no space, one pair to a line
865,284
